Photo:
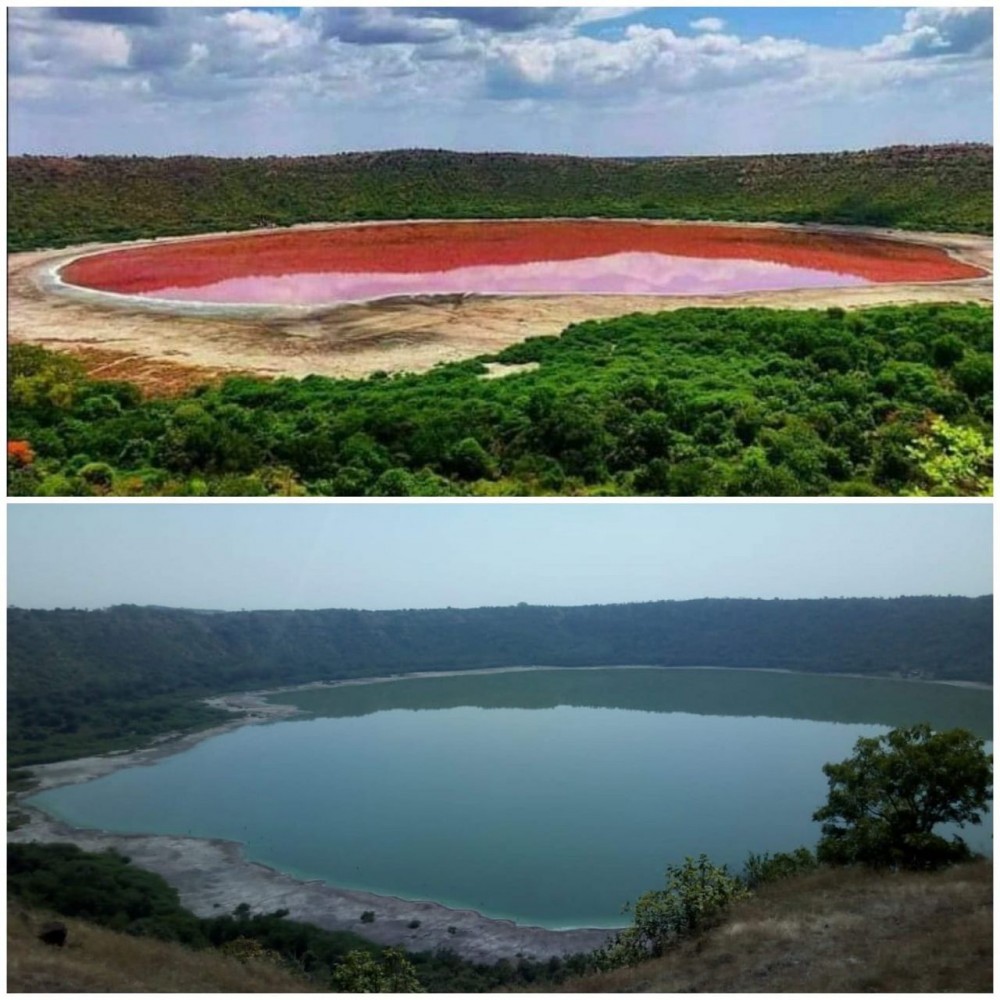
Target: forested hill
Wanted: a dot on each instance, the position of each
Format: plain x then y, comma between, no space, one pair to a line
163,649
57,201
79,676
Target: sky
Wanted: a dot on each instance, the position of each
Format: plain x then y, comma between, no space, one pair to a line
406,555
603,81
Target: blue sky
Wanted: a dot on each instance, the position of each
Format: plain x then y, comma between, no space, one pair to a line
838,27
592,81
398,555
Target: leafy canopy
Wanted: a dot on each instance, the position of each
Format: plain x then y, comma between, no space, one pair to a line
885,800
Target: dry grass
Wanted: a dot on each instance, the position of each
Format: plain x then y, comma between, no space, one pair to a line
829,932
157,378
835,932
96,960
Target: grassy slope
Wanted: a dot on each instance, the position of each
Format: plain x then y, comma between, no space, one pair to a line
96,960
57,201
833,931
838,931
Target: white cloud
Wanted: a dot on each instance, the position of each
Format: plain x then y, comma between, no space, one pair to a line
714,24
61,48
591,15
644,59
939,31
378,77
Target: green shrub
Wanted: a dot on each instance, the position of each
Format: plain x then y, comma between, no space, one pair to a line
362,972
762,868
696,893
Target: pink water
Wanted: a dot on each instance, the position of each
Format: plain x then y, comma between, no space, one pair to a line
637,273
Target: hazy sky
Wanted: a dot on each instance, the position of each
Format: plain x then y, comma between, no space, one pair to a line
404,555
596,80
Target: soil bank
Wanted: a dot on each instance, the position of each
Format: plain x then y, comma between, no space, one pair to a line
167,349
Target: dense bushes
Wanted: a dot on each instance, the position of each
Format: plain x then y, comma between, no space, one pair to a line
731,402
59,201
759,869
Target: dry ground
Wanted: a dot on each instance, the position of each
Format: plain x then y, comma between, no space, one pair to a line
165,352
96,960
835,932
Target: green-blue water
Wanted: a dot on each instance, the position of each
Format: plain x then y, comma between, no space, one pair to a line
550,797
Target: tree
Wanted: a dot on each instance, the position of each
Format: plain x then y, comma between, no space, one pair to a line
952,461
361,972
469,460
885,801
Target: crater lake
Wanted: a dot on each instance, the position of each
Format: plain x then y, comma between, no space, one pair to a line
546,796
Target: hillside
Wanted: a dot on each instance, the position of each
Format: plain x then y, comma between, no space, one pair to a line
835,931
82,681
841,931
56,201
98,960
698,402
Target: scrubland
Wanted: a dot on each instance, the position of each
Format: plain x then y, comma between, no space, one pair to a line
834,931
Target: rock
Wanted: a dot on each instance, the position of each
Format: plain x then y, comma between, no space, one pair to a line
53,933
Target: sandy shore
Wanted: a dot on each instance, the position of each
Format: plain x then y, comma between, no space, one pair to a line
164,350
213,876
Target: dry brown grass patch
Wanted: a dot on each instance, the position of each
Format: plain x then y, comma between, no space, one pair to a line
96,960
835,931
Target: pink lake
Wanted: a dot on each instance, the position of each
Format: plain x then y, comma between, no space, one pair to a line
638,273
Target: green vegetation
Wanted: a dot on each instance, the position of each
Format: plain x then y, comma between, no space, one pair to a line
77,678
696,893
105,720
56,201
727,402
886,800
759,869
952,460
362,972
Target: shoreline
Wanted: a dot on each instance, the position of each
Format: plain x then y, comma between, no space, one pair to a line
185,344
252,708
213,876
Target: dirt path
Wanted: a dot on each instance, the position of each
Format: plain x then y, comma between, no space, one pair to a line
165,351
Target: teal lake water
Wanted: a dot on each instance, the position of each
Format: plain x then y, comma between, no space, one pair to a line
550,797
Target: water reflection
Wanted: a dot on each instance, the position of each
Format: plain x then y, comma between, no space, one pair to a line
700,692
619,273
